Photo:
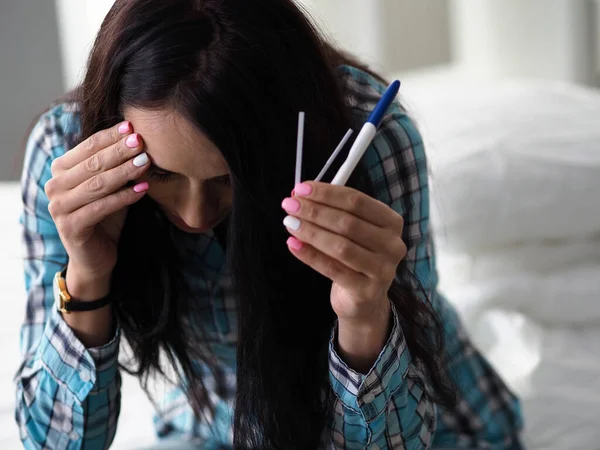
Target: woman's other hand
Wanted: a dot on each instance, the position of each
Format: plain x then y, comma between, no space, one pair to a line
88,201
355,241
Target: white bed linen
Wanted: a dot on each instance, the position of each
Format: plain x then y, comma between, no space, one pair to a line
515,183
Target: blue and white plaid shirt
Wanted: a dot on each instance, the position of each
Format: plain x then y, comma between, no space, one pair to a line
68,396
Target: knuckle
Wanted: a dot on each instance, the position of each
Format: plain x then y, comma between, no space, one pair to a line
121,151
90,143
53,209
312,213
56,166
343,249
400,219
114,133
348,225
127,170
50,187
94,163
399,222
355,201
95,184
401,248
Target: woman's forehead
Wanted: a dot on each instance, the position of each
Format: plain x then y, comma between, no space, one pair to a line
175,144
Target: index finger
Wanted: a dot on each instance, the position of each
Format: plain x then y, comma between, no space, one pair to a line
96,142
350,200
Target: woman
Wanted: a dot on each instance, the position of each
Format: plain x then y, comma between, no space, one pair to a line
162,187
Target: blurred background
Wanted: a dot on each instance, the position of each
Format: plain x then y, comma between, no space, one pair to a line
44,45
552,39
505,93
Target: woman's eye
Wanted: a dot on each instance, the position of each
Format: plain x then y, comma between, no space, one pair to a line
224,180
163,176
160,176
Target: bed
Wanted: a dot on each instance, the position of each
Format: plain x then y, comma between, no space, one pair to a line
515,178
515,184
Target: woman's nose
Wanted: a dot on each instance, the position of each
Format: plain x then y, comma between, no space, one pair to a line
193,215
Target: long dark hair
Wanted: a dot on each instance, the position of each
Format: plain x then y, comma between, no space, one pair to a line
240,71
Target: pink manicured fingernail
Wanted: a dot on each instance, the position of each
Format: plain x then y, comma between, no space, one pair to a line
294,243
125,128
132,141
141,187
303,189
290,205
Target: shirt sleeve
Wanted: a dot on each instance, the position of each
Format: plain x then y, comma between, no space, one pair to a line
67,396
388,408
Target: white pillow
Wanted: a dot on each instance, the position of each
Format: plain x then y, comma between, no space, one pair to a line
511,162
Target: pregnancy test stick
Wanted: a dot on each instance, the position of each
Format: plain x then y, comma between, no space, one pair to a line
366,135
299,145
336,152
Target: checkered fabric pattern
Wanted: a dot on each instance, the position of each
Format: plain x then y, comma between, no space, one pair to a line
68,396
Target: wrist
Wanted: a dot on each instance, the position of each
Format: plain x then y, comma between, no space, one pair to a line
361,341
93,328
86,286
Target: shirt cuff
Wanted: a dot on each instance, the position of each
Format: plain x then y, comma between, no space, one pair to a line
371,393
82,371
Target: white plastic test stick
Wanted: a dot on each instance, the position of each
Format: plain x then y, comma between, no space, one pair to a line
334,155
361,143
299,145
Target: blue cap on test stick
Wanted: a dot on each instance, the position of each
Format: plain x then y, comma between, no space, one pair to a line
384,103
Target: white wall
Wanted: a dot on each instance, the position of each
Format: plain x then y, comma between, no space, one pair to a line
79,21
533,38
30,74
596,40
536,38
552,39
391,35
